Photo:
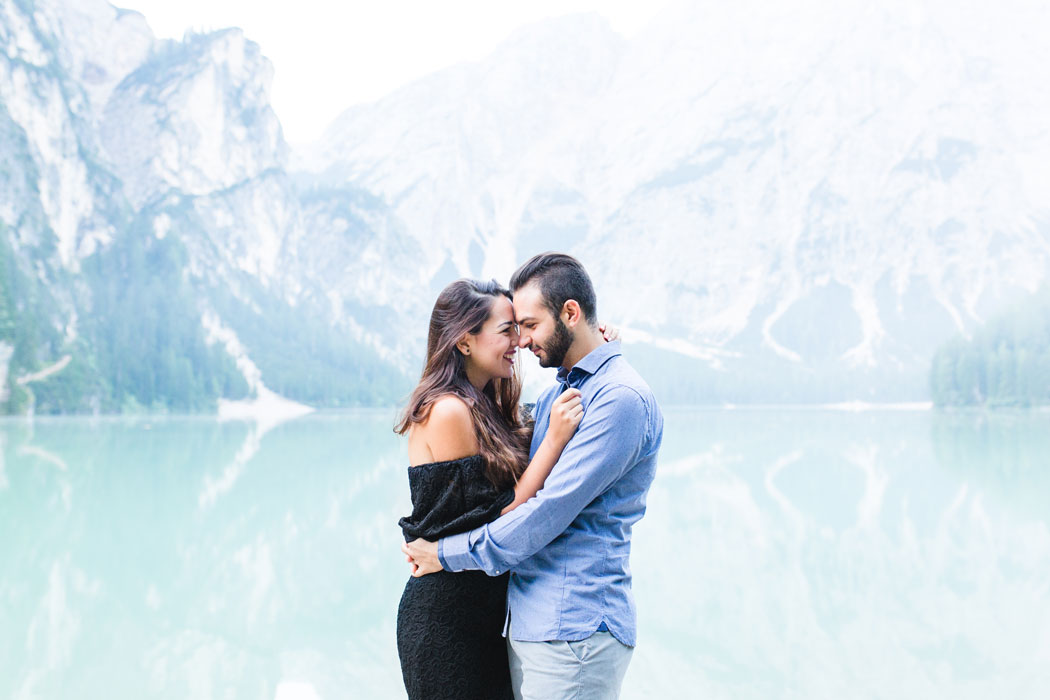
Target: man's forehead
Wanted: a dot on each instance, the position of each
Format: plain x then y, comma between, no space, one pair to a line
527,303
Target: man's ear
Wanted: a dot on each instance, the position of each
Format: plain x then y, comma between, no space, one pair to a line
571,314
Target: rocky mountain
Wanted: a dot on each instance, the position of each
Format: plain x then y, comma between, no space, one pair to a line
800,201
796,203
150,231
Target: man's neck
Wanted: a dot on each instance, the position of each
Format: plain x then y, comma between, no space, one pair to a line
587,340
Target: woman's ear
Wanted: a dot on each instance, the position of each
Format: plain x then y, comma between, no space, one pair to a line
464,345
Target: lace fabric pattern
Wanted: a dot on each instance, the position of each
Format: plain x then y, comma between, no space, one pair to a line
449,625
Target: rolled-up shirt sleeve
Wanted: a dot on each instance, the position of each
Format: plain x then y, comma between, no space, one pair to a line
611,437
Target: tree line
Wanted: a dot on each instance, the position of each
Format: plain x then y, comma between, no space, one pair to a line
140,345
1006,362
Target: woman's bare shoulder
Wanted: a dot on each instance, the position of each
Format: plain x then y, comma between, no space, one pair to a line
449,429
449,408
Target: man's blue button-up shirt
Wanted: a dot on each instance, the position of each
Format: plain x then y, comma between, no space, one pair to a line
568,548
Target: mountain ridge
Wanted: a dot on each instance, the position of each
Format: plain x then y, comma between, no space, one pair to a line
799,209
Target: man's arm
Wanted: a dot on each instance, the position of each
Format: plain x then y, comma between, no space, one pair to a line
609,440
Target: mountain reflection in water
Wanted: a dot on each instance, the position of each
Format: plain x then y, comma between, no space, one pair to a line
785,553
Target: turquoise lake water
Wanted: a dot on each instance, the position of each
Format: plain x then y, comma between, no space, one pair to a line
785,554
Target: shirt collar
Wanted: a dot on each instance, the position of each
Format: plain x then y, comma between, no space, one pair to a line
590,363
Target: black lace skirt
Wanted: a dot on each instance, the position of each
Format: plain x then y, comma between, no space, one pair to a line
449,637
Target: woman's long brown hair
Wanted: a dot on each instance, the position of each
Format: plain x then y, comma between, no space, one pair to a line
463,307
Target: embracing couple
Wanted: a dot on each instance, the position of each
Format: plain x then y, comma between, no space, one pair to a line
521,525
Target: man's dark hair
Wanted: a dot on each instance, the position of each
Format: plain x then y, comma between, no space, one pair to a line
560,277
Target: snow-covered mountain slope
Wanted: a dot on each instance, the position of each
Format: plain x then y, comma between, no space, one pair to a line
823,191
455,153
53,196
145,193
790,202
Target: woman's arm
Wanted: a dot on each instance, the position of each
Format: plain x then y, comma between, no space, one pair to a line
566,414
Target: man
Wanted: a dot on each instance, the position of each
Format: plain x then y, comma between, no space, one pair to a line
570,612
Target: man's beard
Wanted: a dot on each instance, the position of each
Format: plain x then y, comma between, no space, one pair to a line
555,348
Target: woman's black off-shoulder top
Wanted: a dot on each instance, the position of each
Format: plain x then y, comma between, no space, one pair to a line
451,497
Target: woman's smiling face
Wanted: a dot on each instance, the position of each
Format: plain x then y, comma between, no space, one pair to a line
492,349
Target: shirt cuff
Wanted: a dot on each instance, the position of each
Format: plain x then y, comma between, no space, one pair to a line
454,552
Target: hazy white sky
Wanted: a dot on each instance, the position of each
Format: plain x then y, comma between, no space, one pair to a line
329,55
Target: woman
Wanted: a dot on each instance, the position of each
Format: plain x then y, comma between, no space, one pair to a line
468,446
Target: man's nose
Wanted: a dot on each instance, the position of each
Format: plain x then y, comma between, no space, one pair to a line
523,340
